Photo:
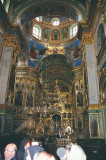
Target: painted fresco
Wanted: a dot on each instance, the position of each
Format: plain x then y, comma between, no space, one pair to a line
38,51
64,33
73,53
62,19
45,33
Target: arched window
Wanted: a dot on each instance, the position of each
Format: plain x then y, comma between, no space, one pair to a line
55,21
100,36
39,19
73,30
36,32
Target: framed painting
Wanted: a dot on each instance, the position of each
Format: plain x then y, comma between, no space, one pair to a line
94,126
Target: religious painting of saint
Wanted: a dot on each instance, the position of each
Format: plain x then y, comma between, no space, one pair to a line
55,35
64,33
45,33
33,52
94,129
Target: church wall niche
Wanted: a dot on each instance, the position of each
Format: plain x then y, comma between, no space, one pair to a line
79,99
100,37
18,98
12,78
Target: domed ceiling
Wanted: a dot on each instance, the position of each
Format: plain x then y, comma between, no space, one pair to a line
45,7
55,58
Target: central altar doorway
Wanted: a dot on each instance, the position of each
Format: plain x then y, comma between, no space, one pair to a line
56,126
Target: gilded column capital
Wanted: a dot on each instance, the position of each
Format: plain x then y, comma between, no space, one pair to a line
11,41
87,38
100,4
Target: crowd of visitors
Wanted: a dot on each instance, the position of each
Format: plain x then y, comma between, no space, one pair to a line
33,150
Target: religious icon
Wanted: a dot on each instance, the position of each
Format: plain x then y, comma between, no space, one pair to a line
68,130
94,126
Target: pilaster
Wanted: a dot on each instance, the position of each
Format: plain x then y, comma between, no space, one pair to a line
90,58
11,46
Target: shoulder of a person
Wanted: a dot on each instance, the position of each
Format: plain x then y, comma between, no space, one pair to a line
14,158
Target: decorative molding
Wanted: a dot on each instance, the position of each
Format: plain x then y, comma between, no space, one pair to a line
11,41
94,107
87,38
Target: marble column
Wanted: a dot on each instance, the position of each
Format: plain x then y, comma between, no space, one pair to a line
4,72
93,86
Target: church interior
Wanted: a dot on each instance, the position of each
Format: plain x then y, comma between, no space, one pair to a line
53,72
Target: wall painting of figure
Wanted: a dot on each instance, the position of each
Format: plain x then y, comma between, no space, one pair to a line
94,126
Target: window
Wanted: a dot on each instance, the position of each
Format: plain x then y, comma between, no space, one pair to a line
100,37
55,21
74,30
2,1
36,32
37,18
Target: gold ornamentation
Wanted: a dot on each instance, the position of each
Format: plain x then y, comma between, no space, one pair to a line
11,41
94,106
101,4
87,38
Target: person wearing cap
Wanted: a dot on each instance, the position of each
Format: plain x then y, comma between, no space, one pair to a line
61,153
72,152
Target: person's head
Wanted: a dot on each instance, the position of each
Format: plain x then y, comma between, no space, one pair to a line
32,150
61,153
44,156
27,144
10,151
